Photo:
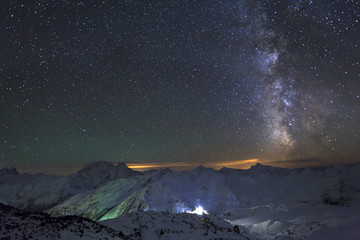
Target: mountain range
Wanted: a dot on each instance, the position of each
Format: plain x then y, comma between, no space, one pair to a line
267,201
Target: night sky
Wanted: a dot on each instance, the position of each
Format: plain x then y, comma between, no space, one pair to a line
179,81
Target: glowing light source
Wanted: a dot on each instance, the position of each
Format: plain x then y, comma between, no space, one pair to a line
198,210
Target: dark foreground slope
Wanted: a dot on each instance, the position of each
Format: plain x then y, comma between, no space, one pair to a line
17,224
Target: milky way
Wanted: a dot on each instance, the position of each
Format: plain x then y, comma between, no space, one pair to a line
179,81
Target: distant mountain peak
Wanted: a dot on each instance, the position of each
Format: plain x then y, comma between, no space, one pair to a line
202,168
8,171
262,166
259,165
259,168
101,164
165,170
97,173
158,173
104,166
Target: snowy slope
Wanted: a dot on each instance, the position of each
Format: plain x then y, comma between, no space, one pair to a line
123,195
37,192
33,191
294,221
160,225
17,224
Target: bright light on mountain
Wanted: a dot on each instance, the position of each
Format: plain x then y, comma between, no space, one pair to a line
198,210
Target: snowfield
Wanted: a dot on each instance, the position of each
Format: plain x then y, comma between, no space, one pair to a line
161,225
297,221
263,202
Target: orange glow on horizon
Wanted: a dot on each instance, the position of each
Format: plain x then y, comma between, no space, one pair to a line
238,164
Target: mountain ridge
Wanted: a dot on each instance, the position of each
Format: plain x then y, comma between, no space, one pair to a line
263,198
110,186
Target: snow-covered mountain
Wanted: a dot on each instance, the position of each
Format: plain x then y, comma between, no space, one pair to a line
216,191
17,224
284,198
103,190
38,192
99,173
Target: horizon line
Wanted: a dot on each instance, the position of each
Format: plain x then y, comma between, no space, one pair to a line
66,169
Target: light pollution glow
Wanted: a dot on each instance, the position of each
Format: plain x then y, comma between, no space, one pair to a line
237,164
67,169
240,164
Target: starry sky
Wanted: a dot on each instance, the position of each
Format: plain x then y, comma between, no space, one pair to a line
179,81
